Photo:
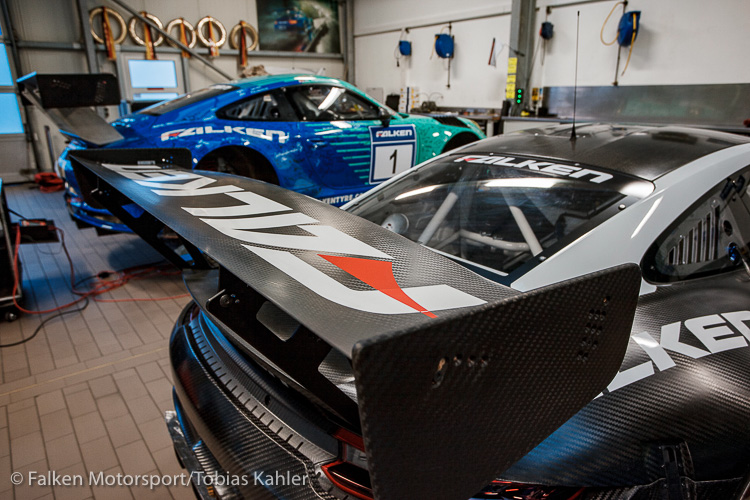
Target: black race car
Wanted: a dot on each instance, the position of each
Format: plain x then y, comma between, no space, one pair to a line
528,317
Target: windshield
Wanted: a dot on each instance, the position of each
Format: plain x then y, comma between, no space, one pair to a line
187,99
498,216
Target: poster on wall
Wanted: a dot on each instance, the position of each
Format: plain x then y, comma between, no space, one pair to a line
299,25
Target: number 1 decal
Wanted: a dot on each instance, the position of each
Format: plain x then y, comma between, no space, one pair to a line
393,151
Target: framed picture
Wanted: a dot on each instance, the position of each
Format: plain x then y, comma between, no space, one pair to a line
299,25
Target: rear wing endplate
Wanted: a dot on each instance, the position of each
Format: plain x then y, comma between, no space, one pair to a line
67,99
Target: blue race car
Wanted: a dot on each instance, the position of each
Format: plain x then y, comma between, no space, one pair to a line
293,20
315,135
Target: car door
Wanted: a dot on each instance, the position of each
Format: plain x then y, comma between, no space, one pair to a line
348,144
267,123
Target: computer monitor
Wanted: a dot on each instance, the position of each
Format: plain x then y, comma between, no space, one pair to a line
144,82
155,75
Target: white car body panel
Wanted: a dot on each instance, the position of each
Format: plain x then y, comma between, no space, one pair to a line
621,235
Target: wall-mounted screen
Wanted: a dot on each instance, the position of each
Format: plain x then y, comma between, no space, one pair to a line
152,74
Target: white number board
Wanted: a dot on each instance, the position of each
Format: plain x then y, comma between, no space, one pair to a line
393,151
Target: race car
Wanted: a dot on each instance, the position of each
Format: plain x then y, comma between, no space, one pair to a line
293,20
537,315
315,135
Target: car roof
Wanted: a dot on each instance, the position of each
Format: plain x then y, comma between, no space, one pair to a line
262,83
643,151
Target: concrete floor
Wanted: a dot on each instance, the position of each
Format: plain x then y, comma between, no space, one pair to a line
88,394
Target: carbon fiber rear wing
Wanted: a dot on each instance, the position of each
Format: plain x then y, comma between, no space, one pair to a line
67,99
457,377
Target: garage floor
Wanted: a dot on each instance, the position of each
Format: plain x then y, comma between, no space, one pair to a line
90,391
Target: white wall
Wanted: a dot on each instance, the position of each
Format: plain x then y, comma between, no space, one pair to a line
473,82
681,42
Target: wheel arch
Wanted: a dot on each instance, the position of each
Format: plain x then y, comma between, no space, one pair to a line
460,139
239,160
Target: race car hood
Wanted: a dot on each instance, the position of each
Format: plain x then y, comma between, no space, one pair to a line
438,352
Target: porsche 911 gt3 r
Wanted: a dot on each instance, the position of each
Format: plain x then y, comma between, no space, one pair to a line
315,135
494,330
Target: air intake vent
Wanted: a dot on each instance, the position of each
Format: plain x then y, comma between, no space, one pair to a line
700,244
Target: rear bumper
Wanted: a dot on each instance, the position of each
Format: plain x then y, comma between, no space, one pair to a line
225,426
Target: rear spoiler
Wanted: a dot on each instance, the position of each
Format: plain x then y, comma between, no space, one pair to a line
457,377
67,99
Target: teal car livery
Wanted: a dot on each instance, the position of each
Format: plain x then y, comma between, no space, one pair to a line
315,135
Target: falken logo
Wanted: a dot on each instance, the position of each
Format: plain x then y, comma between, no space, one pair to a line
247,222
268,135
717,333
399,133
546,167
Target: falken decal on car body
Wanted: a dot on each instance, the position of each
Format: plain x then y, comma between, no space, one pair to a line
394,150
247,221
268,135
713,331
544,167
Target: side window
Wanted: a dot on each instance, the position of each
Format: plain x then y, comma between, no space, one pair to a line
325,103
265,107
349,106
711,237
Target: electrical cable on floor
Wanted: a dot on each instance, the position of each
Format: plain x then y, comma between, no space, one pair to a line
103,285
16,277
44,322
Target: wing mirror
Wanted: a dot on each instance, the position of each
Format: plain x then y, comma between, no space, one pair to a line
385,116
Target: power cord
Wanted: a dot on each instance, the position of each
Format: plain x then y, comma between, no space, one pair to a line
106,281
44,322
